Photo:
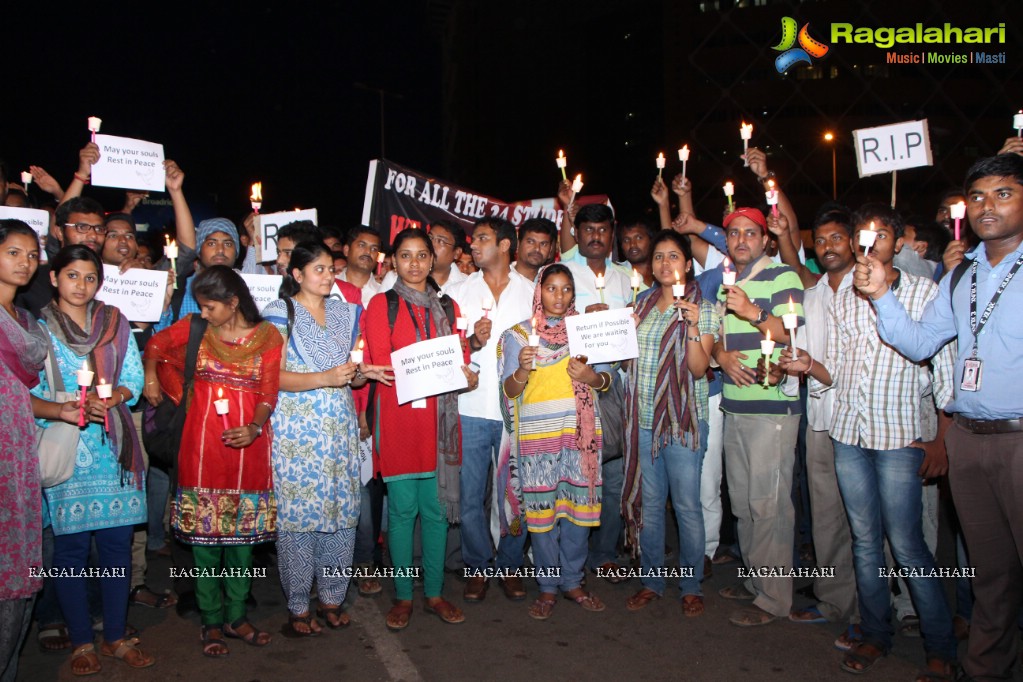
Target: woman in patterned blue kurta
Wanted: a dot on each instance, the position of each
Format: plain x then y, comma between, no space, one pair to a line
105,496
316,444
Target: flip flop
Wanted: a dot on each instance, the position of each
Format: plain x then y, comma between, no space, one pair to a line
814,613
54,639
587,600
399,615
866,660
641,599
541,609
692,605
848,640
446,611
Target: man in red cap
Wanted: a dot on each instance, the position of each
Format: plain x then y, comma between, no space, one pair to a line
761,421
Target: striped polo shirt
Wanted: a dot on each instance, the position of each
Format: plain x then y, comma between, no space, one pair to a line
770,289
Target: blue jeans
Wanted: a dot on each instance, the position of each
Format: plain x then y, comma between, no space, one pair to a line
676,470
481,441
882,494
157,492
560,553
604,540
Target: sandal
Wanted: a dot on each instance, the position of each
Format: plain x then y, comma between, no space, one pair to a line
213,646
86,653
127,650
692,605
341,619
446,611
306,620
861,658
542,608
143,596
398,616
251,636
752,617
610,572
737,591
641,599
587,600
808,616
848,640
938,669
53,639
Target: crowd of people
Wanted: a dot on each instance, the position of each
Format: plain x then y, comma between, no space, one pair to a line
873,371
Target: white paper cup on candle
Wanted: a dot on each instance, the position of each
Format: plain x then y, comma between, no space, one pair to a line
867,238
767,347
461,323
222,405
104,390
728,278
94,123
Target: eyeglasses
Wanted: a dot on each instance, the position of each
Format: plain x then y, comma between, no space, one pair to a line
114,236
442,242
83,228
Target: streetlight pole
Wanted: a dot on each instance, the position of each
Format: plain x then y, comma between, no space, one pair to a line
828,137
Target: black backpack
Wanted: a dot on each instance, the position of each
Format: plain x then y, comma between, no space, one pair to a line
162,425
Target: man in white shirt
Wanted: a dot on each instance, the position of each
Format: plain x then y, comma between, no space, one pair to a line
492,299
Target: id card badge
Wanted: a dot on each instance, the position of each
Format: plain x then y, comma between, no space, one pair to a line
971,375
419,404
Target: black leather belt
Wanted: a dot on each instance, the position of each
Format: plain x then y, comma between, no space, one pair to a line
989,426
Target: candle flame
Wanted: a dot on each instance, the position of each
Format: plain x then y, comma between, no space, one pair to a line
872,228
166,239
768,334
677,279
660,155
792,307
257,192
85,365
561,153
380,257
360,345
770,183
102,380
220,393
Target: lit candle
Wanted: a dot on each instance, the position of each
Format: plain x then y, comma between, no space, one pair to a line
867,238
562,163
772,198
357,352
84,382
488,305
729,192
256,198
1017,123
746,133
790,321
26,179
767,348
105,391
223,406
380,262
636,282
599,282
577,186
728,274
683,156
170,250
958,212
533,338
678,290
660,161
461,324
94,124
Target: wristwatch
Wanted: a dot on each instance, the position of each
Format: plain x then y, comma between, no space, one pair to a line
759,319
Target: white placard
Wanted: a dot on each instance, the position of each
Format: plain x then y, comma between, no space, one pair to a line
264,288
37,219
428,368
366,460
268,225
138,293
893,147
607,336
130,164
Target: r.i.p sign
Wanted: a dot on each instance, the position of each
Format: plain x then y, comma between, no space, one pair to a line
892,147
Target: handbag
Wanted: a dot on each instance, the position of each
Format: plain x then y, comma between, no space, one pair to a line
57,442
163,425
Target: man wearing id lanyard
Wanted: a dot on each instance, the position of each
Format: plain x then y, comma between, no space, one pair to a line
978,303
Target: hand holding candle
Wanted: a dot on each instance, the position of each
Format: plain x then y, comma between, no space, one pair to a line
958,212
488,305
729,189
223,406
867,238
357,352
256,198
727,273
380,263
767,348
790,321
1017,123
660,161
577,186
562,163
772,197
678,291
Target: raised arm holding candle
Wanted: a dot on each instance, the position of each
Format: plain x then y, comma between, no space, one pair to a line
746,133
94,124
1017,123
957,212
562,163
683,156
256,197
660,161
772,198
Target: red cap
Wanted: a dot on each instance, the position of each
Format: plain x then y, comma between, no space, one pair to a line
752,213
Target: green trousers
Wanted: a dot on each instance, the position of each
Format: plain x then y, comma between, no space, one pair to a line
406,499
221,599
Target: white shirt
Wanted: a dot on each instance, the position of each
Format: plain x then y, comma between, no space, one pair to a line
617,287
813,338
371,289
454,277
514,306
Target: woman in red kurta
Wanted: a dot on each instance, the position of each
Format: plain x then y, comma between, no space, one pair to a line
417,446
224,502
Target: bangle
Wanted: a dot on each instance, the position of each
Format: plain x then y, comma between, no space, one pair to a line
516,379
694,338
84,181
605,381
258,427
808,369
